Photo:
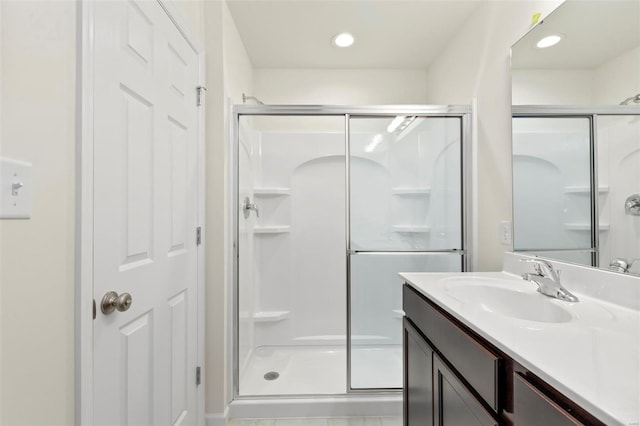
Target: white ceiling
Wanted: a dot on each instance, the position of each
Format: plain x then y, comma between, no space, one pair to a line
595,32
389,34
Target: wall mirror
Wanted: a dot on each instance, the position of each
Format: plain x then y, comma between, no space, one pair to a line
576,135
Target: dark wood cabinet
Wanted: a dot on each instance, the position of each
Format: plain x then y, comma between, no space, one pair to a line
453,377
418,378
533,407
454,404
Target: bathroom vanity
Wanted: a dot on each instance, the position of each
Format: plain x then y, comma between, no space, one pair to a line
487,349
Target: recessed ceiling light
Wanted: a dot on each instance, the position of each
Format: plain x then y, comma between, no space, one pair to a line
343,40
549,41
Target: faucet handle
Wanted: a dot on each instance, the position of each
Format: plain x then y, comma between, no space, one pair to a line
622,265
543,267
536,264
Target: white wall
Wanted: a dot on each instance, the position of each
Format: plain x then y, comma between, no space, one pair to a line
617,79
552,87
608,84
340,86
36,275
228,74
475,64
238,71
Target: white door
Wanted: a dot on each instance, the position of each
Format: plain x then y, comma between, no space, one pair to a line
145,216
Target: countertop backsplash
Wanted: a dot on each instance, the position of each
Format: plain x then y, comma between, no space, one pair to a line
613,287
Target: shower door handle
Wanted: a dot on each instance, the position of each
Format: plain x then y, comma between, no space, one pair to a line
247,206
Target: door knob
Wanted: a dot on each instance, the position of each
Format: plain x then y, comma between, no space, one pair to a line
111,301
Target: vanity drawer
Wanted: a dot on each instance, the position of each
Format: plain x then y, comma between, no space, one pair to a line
532,407
479,365
536,403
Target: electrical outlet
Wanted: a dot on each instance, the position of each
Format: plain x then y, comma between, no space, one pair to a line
506,233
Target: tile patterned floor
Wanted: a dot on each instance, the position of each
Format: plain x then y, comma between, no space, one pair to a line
348,421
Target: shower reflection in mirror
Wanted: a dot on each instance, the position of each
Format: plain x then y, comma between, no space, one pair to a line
576,136
558,162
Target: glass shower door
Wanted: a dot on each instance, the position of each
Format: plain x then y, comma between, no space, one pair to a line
405,215
552,188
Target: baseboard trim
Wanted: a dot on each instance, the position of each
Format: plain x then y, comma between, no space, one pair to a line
339,406
217,419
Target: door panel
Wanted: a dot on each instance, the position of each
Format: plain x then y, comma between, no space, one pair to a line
137,183
179,362
137,341
145,216
376,312
454,404
178,139
405,202
405,185
418,378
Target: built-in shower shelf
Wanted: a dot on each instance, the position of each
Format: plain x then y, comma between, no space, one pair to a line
271,316
280,229
604,227
271,191
409,191
411,229
584,189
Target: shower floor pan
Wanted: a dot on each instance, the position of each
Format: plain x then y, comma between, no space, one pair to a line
319,370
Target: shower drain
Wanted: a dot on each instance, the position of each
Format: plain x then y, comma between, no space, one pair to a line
271,375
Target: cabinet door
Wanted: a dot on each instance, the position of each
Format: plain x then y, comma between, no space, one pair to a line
454,404
418,378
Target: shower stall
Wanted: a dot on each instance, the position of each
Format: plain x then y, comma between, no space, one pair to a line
331,203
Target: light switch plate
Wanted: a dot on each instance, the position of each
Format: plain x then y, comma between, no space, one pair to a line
16,189
506,233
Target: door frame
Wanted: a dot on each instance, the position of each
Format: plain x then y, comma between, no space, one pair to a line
84,208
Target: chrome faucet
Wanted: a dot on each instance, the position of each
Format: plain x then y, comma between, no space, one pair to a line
247,206
622,265
548,280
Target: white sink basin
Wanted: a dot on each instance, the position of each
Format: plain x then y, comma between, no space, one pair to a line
513,303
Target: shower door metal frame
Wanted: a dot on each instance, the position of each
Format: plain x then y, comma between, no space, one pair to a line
577,111
463,112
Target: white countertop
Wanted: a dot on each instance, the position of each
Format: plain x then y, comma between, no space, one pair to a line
593,358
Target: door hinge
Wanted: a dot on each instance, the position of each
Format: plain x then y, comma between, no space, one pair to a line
198,235
200,94
94,308
198,376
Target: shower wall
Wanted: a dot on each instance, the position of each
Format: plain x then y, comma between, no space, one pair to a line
299,237
246,272
619,176
552,185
